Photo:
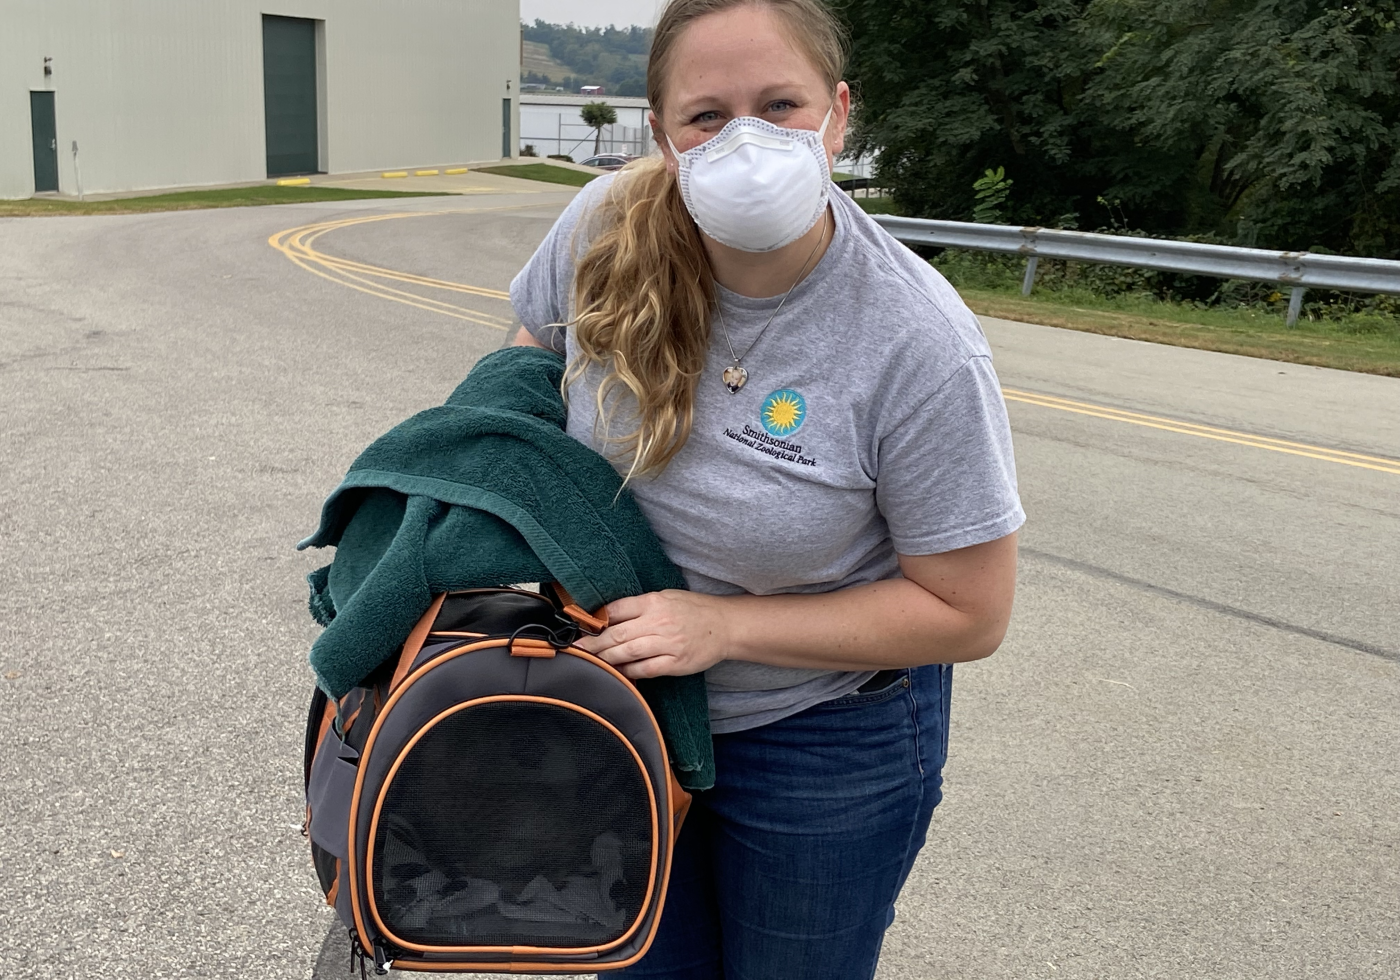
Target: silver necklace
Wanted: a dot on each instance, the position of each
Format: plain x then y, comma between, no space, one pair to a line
736,375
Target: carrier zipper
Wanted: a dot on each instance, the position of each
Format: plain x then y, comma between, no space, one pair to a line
383,960
357,953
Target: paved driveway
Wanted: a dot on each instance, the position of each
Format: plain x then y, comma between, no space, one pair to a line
1183,762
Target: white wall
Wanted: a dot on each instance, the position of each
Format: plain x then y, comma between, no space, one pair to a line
414,82
554,124
164,93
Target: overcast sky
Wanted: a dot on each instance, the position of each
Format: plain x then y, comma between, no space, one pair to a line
591,13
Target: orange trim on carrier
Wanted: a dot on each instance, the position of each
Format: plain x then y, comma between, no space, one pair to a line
335,886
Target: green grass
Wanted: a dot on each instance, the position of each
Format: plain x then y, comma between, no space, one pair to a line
1365,343
541,171
876,205
228,197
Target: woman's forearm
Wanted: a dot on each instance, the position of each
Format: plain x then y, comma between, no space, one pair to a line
947,608
894,623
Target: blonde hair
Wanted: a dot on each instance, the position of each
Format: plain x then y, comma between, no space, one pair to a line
644,290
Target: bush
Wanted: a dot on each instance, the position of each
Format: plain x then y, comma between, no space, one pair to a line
561,156
528,150
979,270
1371,323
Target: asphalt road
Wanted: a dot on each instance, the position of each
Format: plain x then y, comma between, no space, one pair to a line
1182,763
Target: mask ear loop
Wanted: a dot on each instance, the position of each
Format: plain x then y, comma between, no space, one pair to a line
821,139
680,158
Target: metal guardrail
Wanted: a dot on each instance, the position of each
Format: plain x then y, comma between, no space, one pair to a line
1300,270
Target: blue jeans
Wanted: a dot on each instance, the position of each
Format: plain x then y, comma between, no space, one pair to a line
789,867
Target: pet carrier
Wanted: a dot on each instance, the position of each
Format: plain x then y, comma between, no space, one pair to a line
495,799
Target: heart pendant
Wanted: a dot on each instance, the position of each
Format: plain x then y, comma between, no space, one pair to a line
735,377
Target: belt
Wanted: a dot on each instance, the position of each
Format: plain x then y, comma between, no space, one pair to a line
880,681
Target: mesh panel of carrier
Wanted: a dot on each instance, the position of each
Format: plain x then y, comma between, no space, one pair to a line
514,823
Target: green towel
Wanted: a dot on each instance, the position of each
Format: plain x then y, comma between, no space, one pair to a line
485,490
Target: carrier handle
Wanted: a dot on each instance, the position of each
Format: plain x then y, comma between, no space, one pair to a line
534,646
588,622
529,646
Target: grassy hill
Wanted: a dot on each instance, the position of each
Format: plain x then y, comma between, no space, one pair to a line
535,59
562,54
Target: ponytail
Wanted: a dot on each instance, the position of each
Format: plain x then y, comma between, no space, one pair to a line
643,293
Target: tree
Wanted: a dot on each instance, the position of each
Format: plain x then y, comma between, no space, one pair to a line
951,89
598,115
1283,115
1266,122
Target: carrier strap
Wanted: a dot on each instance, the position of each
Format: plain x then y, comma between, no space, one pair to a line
414,643
588,622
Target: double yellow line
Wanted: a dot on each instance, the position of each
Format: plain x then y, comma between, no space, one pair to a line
1378,463
298,244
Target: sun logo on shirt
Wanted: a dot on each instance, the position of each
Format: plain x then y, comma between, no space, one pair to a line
783,412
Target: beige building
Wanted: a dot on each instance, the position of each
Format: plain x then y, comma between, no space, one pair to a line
122,95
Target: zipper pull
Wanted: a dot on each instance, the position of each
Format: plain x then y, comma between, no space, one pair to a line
382,962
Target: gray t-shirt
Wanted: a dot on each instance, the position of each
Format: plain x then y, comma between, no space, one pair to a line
872,425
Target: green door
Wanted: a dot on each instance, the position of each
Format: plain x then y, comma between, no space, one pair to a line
289,95
505,127
45,132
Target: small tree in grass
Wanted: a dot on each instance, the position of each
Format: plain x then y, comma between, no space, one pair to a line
598,115
990,191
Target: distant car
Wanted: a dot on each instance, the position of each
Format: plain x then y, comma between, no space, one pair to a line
608,161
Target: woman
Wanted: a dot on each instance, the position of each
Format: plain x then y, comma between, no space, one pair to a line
808,416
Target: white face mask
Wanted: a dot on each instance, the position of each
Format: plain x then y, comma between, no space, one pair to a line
756,186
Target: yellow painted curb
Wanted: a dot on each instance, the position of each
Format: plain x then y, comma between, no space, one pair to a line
294,182
425,173
394,173
456,170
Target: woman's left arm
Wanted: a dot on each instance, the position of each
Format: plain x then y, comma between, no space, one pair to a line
948,608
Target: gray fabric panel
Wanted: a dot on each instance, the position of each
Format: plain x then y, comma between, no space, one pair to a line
328,794
342,898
